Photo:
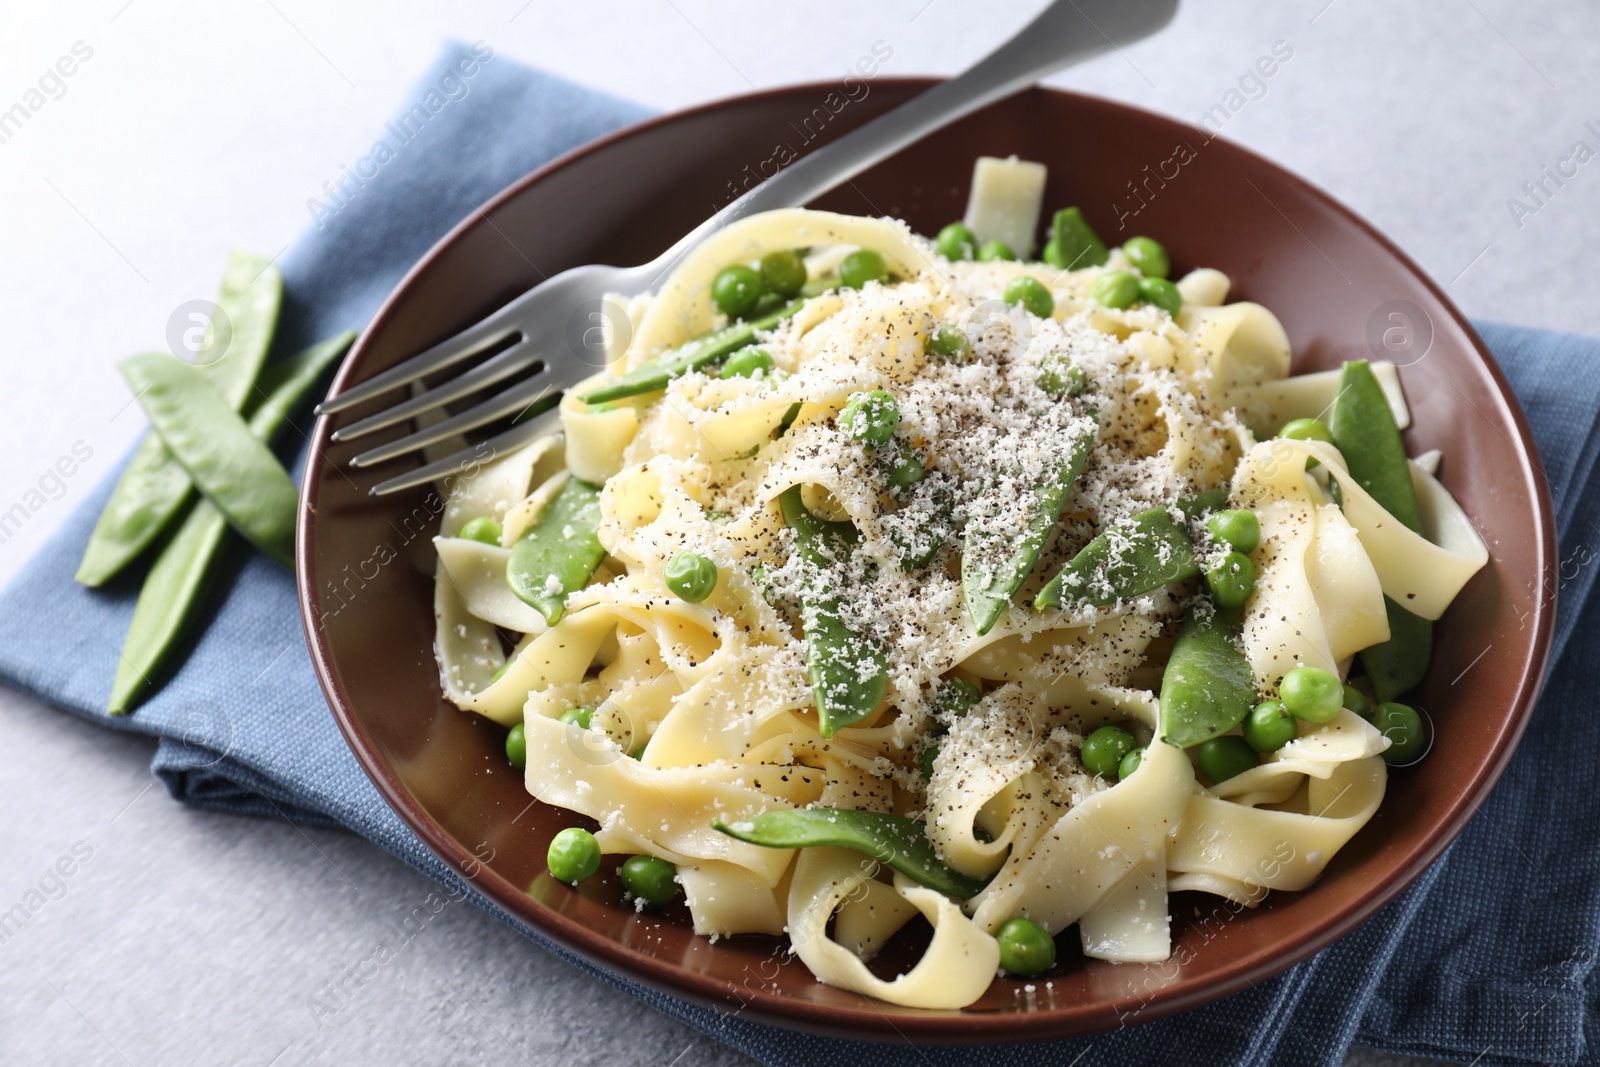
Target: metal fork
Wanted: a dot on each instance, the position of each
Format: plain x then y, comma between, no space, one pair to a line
1066,32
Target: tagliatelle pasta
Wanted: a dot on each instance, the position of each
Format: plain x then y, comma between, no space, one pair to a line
791,567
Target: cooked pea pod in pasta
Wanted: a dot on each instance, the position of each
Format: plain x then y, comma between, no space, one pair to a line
560,550
1146,552
1206,689
1365,433
846,668
1076,243
652,377
892,839
996,562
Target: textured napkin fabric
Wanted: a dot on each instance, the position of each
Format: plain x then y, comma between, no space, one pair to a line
1487,958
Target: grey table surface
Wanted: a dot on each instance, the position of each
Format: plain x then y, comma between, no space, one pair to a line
188,937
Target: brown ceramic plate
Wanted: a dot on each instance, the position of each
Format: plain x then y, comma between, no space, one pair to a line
1330,277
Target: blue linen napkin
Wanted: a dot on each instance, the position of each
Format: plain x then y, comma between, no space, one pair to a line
1488,957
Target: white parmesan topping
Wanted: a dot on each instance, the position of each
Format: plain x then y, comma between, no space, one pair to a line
992,432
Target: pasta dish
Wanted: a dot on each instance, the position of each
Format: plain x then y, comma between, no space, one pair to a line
881,576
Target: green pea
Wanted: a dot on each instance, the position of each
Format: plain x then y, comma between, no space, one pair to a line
1147,254
517,746
783,273
735,290
574,856
650,879
746,362
994,250
1232,580
1408,742
1355,700
860,267
950,342
1312,694
1269,726
1162,293
1105,748
1238,527
1115,289
501,673
908,471
956,241
957,695
638,752
870,418
1223,757
1306,430
1026,948
1031,294
482,529
691,576
1129,764
1052,254
925,764
1063,379
579,717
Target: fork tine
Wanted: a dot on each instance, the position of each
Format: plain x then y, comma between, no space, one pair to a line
511,439
501,366
474,339
532,397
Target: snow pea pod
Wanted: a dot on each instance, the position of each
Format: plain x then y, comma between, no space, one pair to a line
893,839
1076,244
821,541
995,563
1207,688
560,550
154,487
918,547
690,356
152,490
1132,557
232,467
168,601
1399,664
1364,431
848,671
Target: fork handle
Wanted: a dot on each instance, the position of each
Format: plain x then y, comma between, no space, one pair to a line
1066,32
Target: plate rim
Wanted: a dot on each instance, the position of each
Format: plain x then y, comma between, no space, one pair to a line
874,1021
